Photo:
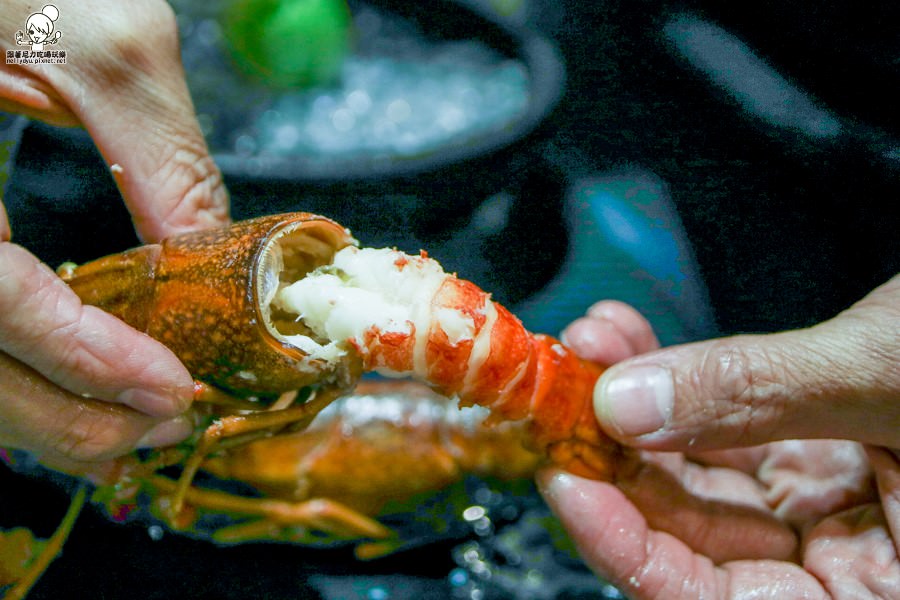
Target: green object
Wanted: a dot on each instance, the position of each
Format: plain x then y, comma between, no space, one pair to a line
289,43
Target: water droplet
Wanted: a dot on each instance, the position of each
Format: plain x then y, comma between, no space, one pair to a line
451,117
483,527
474,513
534,578
493,216
323,104
155,532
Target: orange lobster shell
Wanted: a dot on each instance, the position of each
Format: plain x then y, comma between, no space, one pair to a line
205,296
208,297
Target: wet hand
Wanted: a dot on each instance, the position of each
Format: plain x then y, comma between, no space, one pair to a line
811,518
77,386
839,379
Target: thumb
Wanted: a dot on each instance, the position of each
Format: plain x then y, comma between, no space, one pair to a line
839,379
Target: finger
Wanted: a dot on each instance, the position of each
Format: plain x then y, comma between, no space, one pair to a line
854,554
23,92
629,321
804,480
132,98
745,460
611,332
702,480
616,542
67,432
837,380
887,474
810,479
172,185
81,348
717,512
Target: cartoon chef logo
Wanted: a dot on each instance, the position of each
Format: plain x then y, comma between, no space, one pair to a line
40,31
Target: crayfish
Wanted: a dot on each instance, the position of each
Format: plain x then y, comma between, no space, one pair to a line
282,304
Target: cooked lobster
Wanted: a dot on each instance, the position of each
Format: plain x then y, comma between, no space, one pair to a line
286,302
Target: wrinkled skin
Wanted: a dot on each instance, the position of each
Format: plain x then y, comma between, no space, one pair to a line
708,516
77,386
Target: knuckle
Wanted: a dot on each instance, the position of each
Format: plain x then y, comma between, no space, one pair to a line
34,307
199,196
871,338
57,336
744,382
89,439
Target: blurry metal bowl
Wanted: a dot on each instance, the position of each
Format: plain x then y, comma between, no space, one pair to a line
440,20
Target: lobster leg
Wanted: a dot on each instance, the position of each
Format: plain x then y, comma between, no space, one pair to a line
268,530
51,550
246,427
320,514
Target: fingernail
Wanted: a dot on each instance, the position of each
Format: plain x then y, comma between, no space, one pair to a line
151,403
167,433
584,335
603,310
635,400
552,483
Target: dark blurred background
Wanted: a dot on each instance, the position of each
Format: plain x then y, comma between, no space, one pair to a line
757,142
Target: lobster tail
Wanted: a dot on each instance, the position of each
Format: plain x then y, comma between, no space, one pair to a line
404,316
520,376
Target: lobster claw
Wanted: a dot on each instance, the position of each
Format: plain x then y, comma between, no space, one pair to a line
207,296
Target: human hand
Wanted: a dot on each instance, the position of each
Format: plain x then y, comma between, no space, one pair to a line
782,519
840,379
78,386
124,82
